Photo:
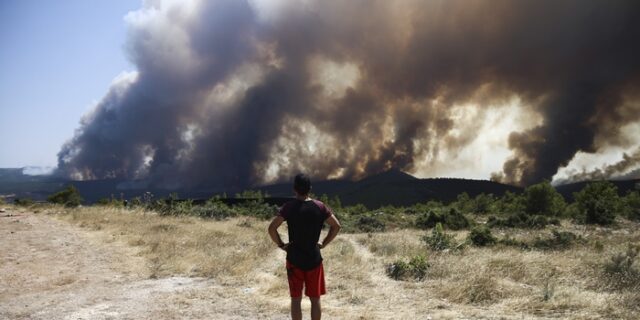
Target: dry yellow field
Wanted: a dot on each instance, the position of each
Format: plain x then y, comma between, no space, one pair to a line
110,263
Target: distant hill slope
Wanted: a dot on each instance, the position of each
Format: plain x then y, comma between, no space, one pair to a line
397,188
392,187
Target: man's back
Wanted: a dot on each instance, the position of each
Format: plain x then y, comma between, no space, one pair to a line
304,221
305,218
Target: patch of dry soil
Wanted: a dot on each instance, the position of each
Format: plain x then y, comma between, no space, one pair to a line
53,270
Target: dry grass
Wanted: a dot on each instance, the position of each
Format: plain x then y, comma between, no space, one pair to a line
498,281
182,245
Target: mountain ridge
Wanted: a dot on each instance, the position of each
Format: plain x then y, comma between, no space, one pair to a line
391,187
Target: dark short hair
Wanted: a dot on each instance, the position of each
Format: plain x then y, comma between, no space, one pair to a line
302,183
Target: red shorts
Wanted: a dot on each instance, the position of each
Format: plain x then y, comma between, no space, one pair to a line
312,280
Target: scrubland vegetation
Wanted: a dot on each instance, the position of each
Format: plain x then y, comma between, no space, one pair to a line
530,254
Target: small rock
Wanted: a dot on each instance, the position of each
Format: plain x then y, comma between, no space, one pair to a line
248,290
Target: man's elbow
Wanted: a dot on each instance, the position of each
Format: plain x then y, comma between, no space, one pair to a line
272,228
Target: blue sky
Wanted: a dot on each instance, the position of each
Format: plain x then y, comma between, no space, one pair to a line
57,58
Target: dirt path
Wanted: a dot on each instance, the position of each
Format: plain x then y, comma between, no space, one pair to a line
52,270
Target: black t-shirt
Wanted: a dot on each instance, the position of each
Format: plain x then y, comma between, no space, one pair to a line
305,220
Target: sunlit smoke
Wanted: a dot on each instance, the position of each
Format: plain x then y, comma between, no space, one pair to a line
234,93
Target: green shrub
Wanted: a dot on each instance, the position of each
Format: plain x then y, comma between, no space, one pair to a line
252,194
356,210
415,269
256,209
456,220
510,203
398,270
69,197
632,201
483,204
543,199
370,224
512,242
429,220
521,220
23,202
598,202
558,240
136,202
453,219
481,236
214,209
440,241
623,269
111,202
463,203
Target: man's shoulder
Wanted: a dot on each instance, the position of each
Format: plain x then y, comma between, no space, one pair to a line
323,207
319,203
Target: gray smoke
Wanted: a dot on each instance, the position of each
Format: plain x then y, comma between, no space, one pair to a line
623,169
226,92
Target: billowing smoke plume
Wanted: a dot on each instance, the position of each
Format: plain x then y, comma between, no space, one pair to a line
236,92
623,169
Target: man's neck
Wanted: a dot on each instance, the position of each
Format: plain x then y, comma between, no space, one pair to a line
303,197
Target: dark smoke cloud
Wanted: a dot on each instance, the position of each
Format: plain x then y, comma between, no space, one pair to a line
225,95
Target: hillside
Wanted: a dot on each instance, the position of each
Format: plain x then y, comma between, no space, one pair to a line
397,188
392,187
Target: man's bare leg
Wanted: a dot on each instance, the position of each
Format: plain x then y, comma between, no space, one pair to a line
316,311
296,309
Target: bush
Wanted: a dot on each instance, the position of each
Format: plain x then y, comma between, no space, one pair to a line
632,201
598,202
543,199
512,242
483,203
510,203
522,220
135,202
256,209
440,241
23,202
623,269
415,269
69,197
356,210
453,220
463,203
558,240
111,202
481,236
370,224
429,220
214,209
252,194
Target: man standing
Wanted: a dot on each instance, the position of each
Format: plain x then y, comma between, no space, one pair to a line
305,218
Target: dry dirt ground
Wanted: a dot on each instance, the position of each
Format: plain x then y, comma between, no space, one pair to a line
52,270
94,263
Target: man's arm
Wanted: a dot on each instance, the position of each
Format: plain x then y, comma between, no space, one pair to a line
334,228
273,232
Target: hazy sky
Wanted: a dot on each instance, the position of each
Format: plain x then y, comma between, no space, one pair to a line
57,59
